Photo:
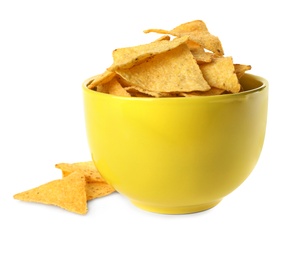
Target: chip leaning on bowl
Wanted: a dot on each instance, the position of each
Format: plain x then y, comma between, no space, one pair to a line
174,125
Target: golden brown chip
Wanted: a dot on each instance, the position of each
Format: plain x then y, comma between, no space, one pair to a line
201,56
212,92
101,79
113,87
87,168
220,73
96,186
122,81
125,58
98,189
240,69
193,45
197,32
139,92
68,193
175,70
163,38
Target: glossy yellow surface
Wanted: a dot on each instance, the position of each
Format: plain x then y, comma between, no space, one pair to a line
177,155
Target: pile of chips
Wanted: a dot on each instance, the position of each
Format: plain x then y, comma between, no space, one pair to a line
185,61
80,183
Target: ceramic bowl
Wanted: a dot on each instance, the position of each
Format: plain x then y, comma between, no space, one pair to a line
177,155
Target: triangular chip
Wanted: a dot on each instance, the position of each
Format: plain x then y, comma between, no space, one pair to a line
101,79
201,56
98,189
113,87
163,38
175,70
240,69
87,168
126,58
220,73
68,193
95,186
140,92
197,32
212,92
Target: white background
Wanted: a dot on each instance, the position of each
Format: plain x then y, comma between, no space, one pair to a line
47,48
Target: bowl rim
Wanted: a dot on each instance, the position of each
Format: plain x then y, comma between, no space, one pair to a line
264,84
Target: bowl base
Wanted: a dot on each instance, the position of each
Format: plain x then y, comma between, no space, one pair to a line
176,210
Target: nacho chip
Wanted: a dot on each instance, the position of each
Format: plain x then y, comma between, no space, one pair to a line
201,56
240,69
220,73
163,38
125,58
197,32
96,186
140,92
101,79
113,87
68,193
193,45
87,168
175,70
212,92
98,189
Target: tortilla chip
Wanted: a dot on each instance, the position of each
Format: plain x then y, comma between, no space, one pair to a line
101,79
212,92
96,186
163,38
98,189
175,70
201,56
139,92
125,58
220,73
197,32
113,87
193,45
68,193
240,69
87,168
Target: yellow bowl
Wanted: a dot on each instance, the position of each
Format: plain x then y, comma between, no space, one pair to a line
177,155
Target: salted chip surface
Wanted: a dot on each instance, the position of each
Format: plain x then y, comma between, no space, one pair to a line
220,73
125,58
113,87
163,37
87,168
101,79
98,189
174,70
68,193
201,56
240,69
197,32
211,92
137,91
